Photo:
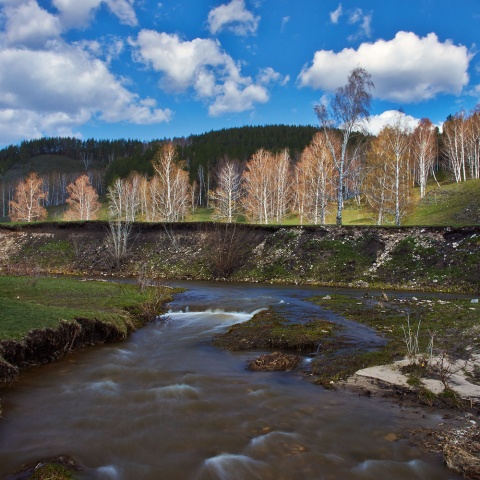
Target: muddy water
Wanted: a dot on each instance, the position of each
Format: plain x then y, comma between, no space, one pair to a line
167,405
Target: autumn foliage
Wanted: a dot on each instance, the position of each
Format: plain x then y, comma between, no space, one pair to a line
27,203
83,201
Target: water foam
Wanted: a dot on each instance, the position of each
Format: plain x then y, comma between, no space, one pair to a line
374,469
108,472
104,385
228,466
178,391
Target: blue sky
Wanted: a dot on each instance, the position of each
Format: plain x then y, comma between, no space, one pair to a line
148,69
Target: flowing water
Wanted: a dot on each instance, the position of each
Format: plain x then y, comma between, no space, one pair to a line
166,404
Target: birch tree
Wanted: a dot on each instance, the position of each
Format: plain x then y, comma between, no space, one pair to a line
389,175
267,183
258,188
228,193
26,205
473,143
281,185
314,180
172,193
83,201
349,107
455,140
424,147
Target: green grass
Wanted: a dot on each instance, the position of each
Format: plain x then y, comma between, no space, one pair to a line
37,303
201,215
454,324
452,204
449,204
269,329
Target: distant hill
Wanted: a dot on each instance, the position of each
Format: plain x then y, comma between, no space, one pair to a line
241,143
208,148
44,164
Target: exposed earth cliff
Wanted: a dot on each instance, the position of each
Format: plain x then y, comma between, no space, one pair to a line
426,258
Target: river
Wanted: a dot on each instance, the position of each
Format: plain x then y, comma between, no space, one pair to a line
166,404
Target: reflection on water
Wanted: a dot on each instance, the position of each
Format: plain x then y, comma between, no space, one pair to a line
167,405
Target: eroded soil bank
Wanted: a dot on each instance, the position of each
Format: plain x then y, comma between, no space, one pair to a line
427,258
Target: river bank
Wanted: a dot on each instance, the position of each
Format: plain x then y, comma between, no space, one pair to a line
410,258
44,319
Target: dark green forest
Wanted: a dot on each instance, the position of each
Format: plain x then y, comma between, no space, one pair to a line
123,156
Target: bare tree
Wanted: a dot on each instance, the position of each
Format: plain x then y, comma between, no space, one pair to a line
314,180
424,147
281,185
83,200
390,172
473,143
267,181
455,139
172,194
377,177
226,196
350,105
256,177
118,238
26,205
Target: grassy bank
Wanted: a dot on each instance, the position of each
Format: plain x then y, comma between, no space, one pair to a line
44,318
28,303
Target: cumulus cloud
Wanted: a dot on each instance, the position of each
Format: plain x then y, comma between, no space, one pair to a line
46,90
233,98
270,76
202,65
27,24
181,62
22,124
405,69
78,13
391,118
233,17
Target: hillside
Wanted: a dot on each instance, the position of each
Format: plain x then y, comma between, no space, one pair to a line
450,204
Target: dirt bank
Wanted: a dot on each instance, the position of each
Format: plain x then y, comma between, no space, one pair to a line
47,345
430,258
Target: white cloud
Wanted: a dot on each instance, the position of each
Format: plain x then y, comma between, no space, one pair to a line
47,90
233,98
391,118
405,69
355,16
78,13
336,14
285,20
25,124
180,61
234,17
269,76
203,66
123,9
365,27
26,23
